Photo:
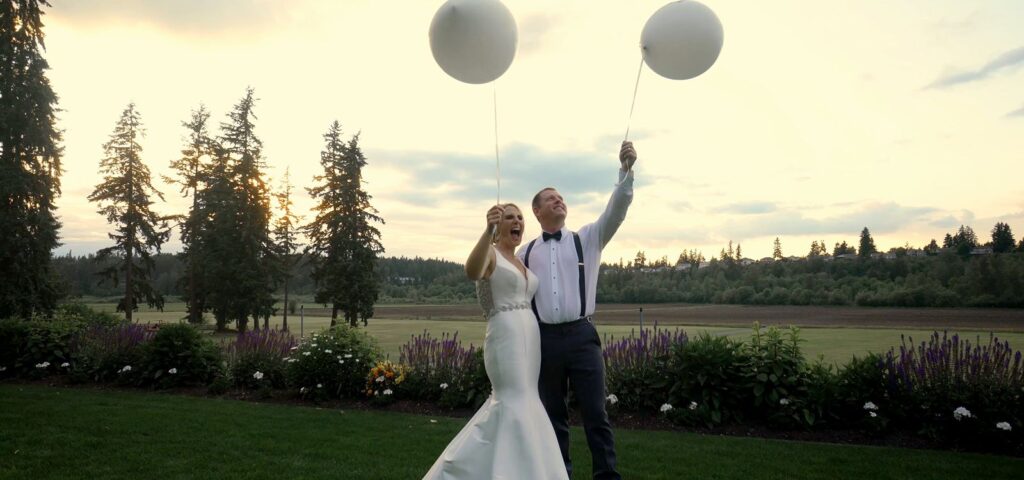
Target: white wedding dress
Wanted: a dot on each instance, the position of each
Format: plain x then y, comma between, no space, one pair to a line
510,437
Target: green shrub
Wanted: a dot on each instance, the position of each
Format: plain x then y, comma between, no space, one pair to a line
333,363
110,353
470,386
14,335
774,378
860,383
257,359
708,385
179,355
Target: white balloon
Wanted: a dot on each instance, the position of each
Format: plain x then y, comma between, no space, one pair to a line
682,40
473,40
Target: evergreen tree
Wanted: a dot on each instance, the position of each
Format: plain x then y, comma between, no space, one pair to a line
739,252
237,253
947,241
30,164
777,249
932,248
194,161
964,240
124,197
343,242
1002,238
816,249
285,237
843,249
867,244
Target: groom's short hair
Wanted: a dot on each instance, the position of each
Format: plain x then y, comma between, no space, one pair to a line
536,198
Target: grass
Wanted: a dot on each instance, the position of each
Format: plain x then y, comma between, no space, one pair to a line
835,345
63,433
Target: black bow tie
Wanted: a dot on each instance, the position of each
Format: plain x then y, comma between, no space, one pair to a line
548,236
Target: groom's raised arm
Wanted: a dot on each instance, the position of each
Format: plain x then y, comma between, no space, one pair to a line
622,196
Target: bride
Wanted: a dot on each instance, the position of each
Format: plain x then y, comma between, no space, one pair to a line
510,437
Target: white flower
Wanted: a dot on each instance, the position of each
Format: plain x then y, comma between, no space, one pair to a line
258,375
328,351
961,413
870,406
341,362
693,406
388,391
873,414
380,379
444,386
3,369
314,345
294,348
65,365
303,390
612,399
43,365
783,401
172,371
287,358
305,354
666,408
292,360
357,360
319,385
433,421
1004,426
127,368
348,355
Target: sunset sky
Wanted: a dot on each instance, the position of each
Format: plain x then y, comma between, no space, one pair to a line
819,118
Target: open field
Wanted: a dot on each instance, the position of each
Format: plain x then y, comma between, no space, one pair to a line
836,333
84,433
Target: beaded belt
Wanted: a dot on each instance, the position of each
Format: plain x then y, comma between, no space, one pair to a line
507,308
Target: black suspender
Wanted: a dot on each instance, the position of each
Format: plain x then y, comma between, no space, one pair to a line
583,278
582,273
526,263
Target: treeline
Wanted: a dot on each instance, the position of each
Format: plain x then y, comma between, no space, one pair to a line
942,280
401,279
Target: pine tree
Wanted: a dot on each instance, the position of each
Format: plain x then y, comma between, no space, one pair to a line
739,252
1002,238
344,244
195,159
867,244
30,164
232,225
285,237
777,249
124,197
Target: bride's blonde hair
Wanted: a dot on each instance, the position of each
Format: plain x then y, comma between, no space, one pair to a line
497,233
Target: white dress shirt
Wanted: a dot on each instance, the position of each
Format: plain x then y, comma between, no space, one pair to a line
555,264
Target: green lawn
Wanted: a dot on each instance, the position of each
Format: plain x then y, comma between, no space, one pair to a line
836,345
61,433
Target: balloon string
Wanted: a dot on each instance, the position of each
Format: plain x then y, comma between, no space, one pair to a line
635,87
497,162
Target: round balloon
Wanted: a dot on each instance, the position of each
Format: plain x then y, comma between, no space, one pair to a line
681,40
473,40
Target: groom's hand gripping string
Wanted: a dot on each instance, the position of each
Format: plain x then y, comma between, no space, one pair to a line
627,156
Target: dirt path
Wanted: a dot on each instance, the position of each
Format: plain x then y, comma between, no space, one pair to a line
1010,320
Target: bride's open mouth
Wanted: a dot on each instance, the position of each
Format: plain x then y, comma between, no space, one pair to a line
516,234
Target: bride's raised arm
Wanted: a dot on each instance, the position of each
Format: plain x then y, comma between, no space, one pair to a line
481,261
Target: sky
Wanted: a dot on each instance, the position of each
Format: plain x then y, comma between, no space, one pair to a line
817,120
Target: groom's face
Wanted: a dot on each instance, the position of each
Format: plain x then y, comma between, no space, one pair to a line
551,207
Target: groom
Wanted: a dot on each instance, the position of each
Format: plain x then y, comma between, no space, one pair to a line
566,264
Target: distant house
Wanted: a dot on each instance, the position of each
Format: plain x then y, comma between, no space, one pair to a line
746,261
703,265
766,260
684,267
914,252
889,256
981,251
846,256
793,258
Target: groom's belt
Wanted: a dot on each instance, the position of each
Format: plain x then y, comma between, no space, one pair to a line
566,325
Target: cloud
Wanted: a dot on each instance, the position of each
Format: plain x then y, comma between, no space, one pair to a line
525,169
1016,113
879,218
178,16
748,208
1006,61
534,31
